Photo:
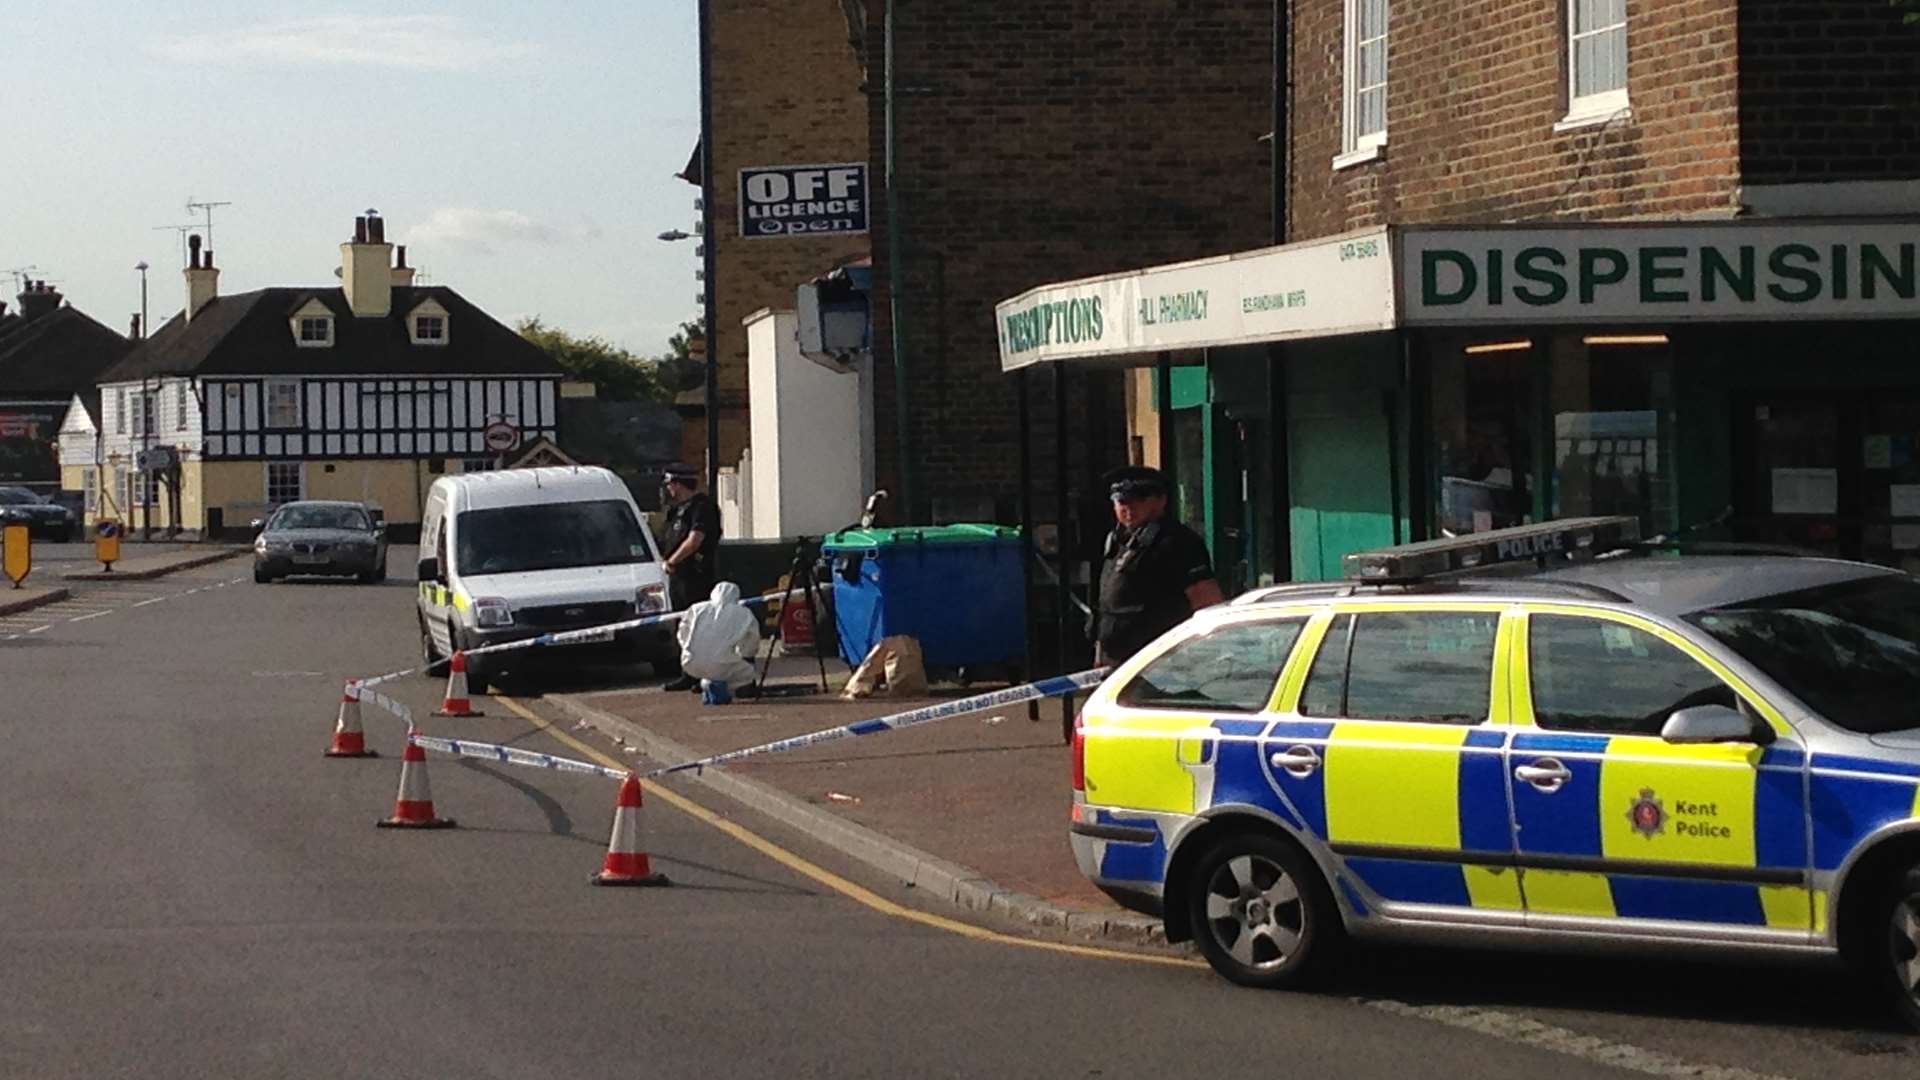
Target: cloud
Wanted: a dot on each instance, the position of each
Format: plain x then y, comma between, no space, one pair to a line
419,42
482,231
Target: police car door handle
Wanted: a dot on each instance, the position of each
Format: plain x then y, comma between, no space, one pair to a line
1296,760
1545,774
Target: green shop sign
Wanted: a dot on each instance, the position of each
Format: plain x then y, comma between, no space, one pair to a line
1055,322
1730,272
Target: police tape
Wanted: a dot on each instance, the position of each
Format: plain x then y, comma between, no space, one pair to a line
566,637
512,755
1045,688
374,697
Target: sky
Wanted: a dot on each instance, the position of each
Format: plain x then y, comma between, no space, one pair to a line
524,152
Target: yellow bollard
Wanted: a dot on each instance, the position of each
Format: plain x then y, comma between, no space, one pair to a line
17,542
106,542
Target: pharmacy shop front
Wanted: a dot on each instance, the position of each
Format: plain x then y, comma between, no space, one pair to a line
1744,380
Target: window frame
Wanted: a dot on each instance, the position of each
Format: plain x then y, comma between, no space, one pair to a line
267,484
1337,637
90,489
1357,148
324,322
120,411
417,324
180,405
267,392
1530,692
1600,107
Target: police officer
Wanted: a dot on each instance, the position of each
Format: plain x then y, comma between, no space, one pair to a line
1156,571
692,544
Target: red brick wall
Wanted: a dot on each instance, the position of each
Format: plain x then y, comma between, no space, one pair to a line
1474,90
786,91
1829,90
1051,141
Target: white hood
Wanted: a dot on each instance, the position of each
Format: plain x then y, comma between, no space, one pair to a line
572,585
719,636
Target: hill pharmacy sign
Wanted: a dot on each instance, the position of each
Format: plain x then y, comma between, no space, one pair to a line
1731,272
1341,285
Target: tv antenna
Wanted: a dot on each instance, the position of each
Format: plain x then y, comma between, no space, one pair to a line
183,230
207,208
20,276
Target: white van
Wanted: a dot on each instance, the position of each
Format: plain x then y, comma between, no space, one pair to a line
518,553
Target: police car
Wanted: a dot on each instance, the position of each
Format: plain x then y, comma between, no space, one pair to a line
1616,745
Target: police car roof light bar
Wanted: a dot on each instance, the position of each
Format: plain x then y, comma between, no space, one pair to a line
1573,540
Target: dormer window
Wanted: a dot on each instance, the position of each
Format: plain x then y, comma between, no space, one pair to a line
312,325
427,323
316,332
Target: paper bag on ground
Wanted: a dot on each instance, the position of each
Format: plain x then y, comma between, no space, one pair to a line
895,664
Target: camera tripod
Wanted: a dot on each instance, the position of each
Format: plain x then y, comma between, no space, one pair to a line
801,579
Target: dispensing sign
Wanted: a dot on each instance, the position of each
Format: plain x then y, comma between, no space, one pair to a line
106,542
18,558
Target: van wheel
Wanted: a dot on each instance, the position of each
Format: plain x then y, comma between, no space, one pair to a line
1900,963
432,664
1261,913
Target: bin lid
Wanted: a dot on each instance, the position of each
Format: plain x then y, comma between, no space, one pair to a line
928,535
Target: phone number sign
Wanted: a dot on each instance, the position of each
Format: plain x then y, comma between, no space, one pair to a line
803,200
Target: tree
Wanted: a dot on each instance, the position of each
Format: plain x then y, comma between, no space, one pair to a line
1911,7
617,375
679,368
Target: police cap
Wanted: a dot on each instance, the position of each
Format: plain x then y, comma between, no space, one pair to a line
1134,482
682,474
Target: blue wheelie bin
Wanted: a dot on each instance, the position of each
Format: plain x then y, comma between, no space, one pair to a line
958,589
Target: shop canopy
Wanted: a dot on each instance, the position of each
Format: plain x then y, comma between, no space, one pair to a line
1393,277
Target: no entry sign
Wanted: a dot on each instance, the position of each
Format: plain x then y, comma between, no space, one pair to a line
500,436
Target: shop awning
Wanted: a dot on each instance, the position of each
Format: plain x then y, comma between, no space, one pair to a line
1651,274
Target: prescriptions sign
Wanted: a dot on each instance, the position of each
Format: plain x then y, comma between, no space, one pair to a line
803,200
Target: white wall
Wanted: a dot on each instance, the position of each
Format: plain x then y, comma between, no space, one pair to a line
805,428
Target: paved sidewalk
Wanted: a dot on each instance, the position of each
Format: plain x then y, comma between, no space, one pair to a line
14,601
142,567
972,808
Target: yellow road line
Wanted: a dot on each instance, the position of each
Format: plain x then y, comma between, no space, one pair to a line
857,893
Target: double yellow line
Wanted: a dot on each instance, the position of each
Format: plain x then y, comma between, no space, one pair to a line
857,893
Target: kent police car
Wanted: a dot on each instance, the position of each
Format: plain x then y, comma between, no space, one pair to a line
1624,748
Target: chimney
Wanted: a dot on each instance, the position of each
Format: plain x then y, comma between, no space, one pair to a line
203,281
366,270
402,273
133,331
38,300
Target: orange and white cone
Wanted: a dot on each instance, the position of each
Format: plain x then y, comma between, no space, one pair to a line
456,703
626,862
414,808
348,738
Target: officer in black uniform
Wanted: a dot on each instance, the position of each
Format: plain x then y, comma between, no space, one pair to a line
692,544
1155,573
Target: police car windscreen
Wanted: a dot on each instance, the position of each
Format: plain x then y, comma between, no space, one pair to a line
1851,651
552,536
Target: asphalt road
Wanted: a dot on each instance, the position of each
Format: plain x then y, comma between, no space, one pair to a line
189,889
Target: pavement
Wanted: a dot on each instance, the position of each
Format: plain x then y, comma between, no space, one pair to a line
14,601
972,809
140,566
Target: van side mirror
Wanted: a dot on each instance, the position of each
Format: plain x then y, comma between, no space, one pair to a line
429,569
1713,724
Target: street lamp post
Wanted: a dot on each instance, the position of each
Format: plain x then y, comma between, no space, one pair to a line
146,425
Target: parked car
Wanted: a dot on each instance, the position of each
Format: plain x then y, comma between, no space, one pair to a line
333,539
42,516
518,553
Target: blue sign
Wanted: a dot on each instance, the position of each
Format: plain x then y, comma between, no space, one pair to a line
803,200
108,528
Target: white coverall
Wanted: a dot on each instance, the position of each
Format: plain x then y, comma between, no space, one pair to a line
718,637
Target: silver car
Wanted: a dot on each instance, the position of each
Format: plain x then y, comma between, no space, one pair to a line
331,539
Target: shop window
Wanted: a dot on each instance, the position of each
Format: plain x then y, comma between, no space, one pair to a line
1612,417
1232,669
1483,433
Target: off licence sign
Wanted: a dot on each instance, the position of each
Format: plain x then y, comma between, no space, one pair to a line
803,200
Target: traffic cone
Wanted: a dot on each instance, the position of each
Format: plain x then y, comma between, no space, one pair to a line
414,808
348,739
626,862
456,703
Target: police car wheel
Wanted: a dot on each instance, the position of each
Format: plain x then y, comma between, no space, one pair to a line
1903,946
1260,912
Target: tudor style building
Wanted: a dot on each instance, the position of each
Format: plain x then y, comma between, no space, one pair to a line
361,391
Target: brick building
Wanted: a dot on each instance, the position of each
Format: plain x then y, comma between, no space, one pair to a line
1552,258
785,90
1035,142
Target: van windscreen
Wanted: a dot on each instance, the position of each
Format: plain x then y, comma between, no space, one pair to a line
550,536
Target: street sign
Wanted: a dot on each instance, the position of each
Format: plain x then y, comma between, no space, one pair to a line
155,459
106,541
17,541
500,436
